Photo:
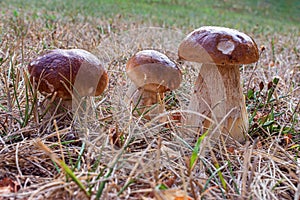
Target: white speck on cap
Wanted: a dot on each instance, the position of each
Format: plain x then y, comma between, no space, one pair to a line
90,90
35,62
226,47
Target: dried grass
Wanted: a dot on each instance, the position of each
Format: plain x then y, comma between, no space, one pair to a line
148,153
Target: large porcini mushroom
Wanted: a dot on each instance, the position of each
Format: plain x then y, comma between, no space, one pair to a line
218,93
67,74
152,74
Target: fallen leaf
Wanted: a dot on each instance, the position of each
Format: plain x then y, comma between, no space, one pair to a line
288,138
230,149
259,145
176,116
172,194
7,185
170,181
115,136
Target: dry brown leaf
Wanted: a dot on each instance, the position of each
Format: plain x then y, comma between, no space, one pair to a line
288,138
172,194
115,136
7,185
230,149
177,116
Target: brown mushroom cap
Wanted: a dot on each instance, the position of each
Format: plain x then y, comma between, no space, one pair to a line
219,45
153,71
57,70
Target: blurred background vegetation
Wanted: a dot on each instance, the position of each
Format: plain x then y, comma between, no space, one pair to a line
248,15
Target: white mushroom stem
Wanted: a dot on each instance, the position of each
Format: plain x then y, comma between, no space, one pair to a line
145,102
218,94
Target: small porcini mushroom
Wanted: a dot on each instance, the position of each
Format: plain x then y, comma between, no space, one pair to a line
152,74
65,74
218,93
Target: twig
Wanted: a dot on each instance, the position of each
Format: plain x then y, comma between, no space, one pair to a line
245,169
254,68
297,194
253,166
17,160
59,141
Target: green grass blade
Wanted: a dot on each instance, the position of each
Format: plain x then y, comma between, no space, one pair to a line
103,183
213,175
223,182
196,149
78,162
70,173
125,186
233,178
15,92
272,89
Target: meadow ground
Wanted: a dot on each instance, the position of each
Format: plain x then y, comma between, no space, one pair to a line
106,153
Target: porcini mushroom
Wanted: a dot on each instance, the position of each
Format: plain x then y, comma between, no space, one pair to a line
65,74
218,93
152,74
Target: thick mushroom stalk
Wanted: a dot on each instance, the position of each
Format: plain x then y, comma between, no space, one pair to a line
220,98
218,93
152,74
148,103
62,75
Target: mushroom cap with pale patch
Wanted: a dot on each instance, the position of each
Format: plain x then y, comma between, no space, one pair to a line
67,71
218,45
153,71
